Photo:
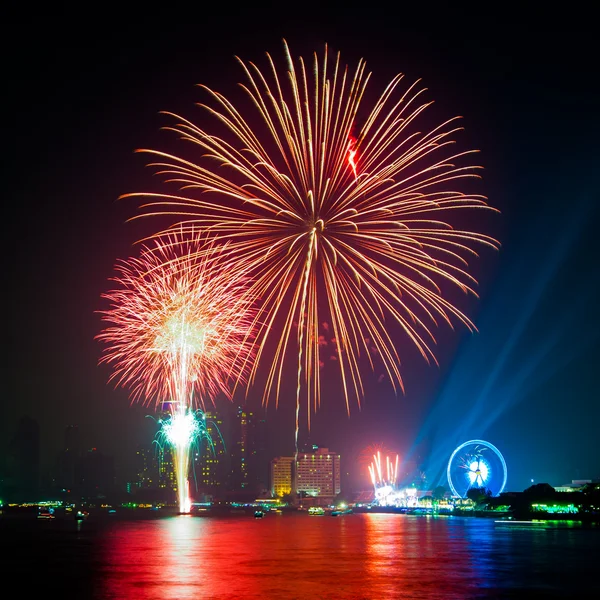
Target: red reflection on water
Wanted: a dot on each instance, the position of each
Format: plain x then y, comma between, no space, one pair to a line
181,539
175,558
286,556
279,556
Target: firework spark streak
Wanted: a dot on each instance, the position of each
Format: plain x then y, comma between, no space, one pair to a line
378,478
334,222
181,432
179,324
384,482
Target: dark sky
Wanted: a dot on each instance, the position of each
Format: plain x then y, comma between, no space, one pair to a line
79,104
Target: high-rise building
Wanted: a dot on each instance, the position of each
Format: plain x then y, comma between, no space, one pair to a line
147,472
68,459
154,475
73,439
249,468
166,469
95,474
210,459
282,475
318,474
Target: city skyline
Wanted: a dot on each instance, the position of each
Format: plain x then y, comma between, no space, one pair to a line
230,463
524,381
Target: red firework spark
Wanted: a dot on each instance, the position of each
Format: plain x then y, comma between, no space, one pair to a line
180,323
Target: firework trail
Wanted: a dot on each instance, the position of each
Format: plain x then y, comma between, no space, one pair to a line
367,454
350,227
182,433
178,333
381,477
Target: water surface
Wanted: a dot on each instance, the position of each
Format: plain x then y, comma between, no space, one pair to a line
296,556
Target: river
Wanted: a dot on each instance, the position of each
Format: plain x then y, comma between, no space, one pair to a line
297,556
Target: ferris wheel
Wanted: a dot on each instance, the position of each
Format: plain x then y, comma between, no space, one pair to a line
476,464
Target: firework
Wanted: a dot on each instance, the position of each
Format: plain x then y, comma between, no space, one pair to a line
181,432
179,324
178,333
335,222
366,454
385,484
381,477
384,480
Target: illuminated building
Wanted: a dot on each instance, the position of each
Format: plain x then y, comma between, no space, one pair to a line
166,469
318,474
576,485
282,475
146,468
211,457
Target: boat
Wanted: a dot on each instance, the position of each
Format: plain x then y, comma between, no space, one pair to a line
46,514
515,524
340,512
316,510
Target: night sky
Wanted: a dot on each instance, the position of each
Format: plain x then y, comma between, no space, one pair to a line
78,105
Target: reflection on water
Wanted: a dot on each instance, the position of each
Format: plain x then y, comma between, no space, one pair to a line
418,557
289,556
354,556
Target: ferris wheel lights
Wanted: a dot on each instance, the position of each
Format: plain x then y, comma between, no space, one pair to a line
476,464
